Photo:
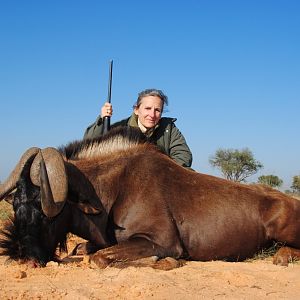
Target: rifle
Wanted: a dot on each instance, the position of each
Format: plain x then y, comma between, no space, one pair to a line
106,120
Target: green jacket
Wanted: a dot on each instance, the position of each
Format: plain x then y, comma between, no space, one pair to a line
166,136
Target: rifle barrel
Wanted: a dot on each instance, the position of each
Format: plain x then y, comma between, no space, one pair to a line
110,81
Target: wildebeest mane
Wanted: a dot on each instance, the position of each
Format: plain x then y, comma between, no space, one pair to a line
119,138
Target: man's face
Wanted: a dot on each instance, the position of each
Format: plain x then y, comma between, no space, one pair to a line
150,110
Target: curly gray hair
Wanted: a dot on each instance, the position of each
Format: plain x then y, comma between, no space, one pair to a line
151,92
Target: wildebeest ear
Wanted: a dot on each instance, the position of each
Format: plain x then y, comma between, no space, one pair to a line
88,208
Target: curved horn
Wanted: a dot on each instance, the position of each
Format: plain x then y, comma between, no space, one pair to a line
11,181
53,182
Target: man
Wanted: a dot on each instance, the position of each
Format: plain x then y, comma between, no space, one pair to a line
147,116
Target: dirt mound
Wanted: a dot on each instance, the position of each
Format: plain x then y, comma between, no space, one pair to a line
76,279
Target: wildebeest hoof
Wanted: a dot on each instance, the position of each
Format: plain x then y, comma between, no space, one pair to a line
100,261
280,260
282,257
168,263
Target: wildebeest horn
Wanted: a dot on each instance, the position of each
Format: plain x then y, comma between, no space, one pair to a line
53,182
8,186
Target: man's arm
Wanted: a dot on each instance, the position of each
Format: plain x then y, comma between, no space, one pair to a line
179,150
94,130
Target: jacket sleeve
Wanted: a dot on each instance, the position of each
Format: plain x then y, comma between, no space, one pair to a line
179,150
94,130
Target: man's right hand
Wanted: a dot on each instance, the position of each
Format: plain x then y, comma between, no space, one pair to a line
106,110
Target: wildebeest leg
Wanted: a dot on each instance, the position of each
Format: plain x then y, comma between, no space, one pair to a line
167,263
285,255
135,252
282,221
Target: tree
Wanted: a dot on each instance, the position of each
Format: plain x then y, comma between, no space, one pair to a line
270,180
296,184
235,165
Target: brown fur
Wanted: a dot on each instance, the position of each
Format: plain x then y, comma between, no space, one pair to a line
134,202
163,209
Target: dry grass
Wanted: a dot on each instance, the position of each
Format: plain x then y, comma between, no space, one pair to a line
5,211
296,197
267,253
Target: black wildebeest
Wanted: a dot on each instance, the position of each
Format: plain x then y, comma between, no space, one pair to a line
131,201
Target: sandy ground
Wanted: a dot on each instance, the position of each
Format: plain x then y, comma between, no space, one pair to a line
77,279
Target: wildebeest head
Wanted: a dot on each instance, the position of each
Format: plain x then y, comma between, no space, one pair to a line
43,211
34,204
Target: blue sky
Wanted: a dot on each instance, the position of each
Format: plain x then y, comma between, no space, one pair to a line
231,70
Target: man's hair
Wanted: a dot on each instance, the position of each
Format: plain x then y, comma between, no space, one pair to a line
151,92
